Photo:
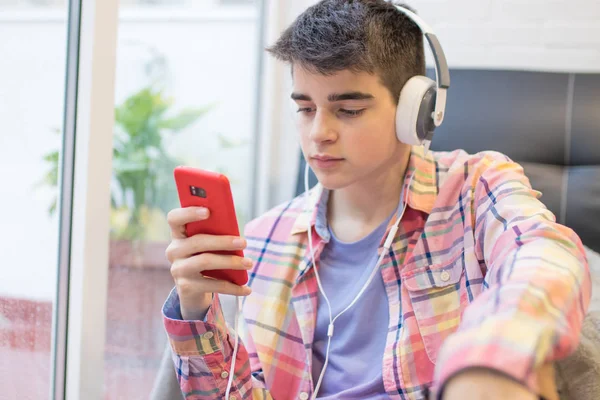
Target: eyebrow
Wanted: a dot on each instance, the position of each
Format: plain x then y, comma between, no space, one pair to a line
336,96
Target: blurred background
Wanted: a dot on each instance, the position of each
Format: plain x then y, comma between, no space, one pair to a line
192,86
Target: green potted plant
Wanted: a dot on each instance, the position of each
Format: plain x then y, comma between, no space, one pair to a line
142,187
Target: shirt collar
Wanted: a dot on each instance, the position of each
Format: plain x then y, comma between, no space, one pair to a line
421,194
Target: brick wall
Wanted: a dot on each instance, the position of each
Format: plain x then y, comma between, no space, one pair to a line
135,337
547,35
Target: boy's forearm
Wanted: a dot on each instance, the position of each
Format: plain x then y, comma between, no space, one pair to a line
537,286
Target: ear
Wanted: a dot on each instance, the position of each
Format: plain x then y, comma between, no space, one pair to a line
414,123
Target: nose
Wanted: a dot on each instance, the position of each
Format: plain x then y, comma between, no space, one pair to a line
323,128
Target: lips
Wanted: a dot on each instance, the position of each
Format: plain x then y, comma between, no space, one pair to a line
323,161
326,158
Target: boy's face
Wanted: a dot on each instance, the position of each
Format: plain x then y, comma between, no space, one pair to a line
346,123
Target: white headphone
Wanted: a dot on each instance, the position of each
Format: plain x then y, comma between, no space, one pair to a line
422,103
420,110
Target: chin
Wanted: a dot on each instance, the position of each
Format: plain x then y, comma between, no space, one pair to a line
333,181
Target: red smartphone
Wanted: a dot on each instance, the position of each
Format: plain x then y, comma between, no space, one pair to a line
200,188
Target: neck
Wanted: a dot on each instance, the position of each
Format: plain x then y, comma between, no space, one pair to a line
354,211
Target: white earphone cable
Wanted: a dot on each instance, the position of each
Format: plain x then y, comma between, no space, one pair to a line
312,256
387,244
238,306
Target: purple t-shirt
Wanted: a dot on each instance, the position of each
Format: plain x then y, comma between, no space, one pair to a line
358,343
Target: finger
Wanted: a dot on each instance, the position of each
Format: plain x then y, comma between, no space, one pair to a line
192,268
180,217
224,287
188,247
212,243
193,289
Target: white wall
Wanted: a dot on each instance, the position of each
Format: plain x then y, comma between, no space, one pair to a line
544,35
212,59
550,35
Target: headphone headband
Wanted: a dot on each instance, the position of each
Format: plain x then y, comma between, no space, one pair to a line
442,73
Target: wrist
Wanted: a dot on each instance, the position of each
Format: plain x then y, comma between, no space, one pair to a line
197,310
483,383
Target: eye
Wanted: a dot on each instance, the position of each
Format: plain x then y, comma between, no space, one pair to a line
352,113
305,110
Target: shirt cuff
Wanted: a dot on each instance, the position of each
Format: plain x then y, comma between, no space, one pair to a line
194,338
510,348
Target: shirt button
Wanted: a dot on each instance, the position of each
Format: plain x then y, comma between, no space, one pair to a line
224,374
445,276
303,396
232,398
208,335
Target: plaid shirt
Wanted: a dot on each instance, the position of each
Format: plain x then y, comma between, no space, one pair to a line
479,275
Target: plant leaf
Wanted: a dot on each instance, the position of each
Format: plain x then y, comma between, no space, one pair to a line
226,143
123,165
53,206
52,157
184,119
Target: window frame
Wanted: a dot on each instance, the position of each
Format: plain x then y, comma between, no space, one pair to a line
80,304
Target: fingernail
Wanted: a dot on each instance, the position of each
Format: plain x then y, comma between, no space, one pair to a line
247,262
247,290
203,212
239,243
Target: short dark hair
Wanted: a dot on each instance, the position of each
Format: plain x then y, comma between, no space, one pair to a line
359,35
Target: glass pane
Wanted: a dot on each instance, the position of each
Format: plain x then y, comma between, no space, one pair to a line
184,96
32,79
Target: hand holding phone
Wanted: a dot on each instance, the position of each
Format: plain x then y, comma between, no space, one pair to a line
206,251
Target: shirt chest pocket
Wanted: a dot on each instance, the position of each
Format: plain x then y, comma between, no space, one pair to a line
438,297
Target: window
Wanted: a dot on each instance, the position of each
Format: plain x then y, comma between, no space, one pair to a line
184,93
32,79
185,89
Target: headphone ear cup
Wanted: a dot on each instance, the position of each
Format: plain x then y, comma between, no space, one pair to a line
414,123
